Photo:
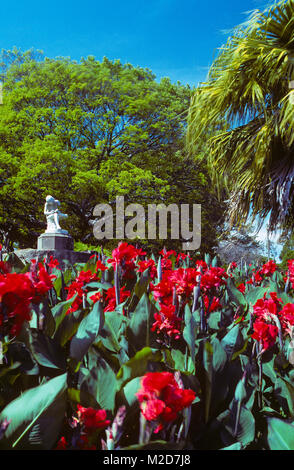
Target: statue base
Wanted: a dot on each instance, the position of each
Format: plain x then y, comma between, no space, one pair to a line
66,258
55,241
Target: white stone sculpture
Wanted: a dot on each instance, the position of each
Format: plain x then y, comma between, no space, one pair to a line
53,216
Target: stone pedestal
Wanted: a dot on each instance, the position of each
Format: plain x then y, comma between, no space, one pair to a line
66,258
55,241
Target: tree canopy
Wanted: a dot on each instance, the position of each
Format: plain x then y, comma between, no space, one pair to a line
287,252
87,132
239,244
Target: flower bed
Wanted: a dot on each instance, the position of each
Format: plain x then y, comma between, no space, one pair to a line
130,351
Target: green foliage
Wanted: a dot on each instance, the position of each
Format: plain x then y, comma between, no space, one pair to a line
47,351
79,246
93,356
247,104
190,331
87,332
239,243
280,434
138,331
100,380
36,416
87,132
287,251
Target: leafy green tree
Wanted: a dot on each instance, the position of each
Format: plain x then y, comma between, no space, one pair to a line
85,133
240,244
16,57
287,250
247,102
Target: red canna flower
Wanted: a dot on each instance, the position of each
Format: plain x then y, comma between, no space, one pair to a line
140,252
42,282
265,333
143,265
124,255
274,297
215,304
53,263
111,299
5,268
92,419
167,254
268,268
213,277
287,317
163,291
154,408
184,280
182,256
161,398
291,272
61,444
201,266
100,266
265,308
242,288
166,264
17,292
166,321
78,287
96,297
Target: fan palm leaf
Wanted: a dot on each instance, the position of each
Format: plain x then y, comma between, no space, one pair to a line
247,91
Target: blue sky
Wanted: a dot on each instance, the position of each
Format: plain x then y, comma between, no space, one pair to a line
175,38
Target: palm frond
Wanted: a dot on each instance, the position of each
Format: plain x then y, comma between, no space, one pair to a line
246,102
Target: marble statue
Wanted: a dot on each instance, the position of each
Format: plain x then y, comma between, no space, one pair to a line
53,216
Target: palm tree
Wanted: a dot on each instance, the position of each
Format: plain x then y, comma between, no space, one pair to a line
248,101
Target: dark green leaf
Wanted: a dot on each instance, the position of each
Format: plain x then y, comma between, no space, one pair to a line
100,382
182,362
87,332
235,295
190,330
68,327
59,310
219,357
236,446
233,341
130,390
280,434
99,285
255,293
246,425
47,351
141,286
19,353
114,326
137,365
208,368
138,331
284,393
36,416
